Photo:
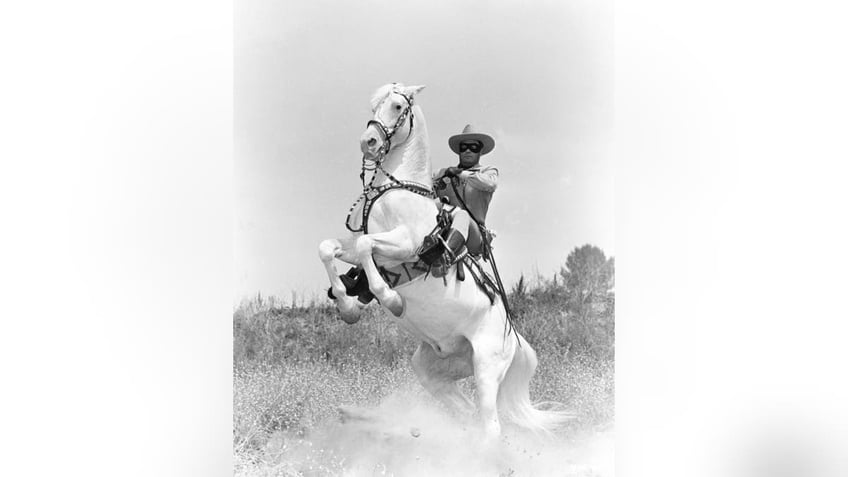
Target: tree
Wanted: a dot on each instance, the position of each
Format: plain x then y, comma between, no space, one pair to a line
589,279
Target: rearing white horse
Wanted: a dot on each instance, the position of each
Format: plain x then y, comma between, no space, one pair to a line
461,330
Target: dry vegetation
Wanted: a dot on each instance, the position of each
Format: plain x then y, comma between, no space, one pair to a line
294,366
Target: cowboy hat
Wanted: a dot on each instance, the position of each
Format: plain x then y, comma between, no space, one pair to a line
468,134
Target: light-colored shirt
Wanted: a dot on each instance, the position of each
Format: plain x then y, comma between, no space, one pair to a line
475,185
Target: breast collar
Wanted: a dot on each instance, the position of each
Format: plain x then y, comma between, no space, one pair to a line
371,195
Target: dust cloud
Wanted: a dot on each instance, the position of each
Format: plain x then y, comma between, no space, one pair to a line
408,436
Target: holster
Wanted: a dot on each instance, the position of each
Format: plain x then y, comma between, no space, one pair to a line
433,246
444,246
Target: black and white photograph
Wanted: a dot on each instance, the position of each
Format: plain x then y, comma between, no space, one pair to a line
317,238
424,239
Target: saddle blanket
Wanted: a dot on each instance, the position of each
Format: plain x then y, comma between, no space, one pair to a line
407,272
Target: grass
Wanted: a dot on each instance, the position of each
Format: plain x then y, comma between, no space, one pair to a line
294,366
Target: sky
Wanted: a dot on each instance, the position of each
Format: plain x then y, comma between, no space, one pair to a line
538,79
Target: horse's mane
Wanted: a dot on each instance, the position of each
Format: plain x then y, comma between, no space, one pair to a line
381,93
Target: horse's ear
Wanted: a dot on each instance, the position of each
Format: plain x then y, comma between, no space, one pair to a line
411,91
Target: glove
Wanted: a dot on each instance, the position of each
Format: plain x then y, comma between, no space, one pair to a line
452,171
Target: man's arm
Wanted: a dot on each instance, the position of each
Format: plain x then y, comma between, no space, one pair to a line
486,179
437,176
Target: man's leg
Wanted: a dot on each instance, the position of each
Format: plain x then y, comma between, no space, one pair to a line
463,224
463,237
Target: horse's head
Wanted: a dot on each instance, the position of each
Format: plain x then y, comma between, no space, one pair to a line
392,122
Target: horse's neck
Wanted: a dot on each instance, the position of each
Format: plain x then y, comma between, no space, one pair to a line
410,161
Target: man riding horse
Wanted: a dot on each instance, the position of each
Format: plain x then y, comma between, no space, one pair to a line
468,187
465,191
400,233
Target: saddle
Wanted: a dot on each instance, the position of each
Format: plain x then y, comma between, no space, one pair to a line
440,250
356,282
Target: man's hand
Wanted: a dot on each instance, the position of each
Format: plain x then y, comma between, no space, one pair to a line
452,171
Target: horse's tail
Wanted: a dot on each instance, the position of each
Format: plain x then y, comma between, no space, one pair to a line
514,395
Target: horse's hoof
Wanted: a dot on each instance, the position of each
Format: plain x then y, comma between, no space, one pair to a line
395,305
349,311
350,319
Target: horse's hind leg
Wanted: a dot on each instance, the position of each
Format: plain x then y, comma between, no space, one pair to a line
439,376
349,307
492,356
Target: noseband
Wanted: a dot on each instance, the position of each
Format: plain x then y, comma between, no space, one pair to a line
388,133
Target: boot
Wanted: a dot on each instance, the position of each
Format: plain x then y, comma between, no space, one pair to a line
453,250
456,252
456,249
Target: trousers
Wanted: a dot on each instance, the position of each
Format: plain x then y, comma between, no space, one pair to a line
463,224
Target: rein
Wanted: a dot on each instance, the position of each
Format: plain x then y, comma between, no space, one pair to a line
370,194
509,325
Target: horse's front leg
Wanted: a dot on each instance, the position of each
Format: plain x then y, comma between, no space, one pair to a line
396,244
349,307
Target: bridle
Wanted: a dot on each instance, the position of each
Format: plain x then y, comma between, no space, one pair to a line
371,165
370,194
388,133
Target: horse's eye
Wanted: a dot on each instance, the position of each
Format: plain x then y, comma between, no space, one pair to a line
397,106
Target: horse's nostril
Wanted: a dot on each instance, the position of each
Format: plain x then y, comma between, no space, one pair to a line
372,141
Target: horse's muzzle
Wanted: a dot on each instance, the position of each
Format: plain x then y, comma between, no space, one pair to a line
371,141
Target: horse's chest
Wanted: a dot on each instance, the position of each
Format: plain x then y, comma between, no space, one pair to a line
443,345
447,337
